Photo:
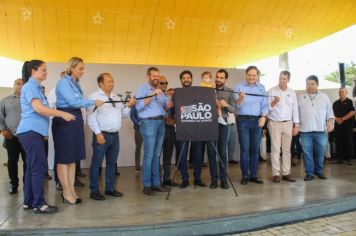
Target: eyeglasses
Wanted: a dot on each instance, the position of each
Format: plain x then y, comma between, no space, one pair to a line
163,83
112,102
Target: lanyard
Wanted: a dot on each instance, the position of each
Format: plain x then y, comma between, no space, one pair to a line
76,85
312,98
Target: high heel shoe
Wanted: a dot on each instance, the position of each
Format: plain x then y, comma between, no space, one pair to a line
67,201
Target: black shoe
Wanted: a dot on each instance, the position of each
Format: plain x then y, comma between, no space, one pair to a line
67,201
184,184
97,196
224,185
77,183
256,180
169,183
117,173
114,193
308,177
244,180
80,174
78,200
321,176
13,190
59,186
45,209
199,183
159,189
214,184
233,162
148,191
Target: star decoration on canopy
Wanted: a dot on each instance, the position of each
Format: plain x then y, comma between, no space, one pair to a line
289,33
223,28
170,23
97,19
26,14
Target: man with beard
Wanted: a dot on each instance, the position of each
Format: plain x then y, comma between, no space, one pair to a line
186,79
151,112
225,98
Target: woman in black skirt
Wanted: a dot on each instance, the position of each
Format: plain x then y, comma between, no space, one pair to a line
68,138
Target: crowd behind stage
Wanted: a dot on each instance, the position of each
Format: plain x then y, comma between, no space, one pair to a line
295,127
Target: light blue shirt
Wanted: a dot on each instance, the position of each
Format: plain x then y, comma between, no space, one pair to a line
314,111
251,105
69,94
155,107
30,119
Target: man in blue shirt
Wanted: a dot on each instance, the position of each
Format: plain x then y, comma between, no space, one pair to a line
252,111
151,112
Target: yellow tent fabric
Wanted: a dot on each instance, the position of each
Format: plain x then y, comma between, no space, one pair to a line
214,33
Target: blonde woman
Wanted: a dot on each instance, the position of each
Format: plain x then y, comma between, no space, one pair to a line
69,137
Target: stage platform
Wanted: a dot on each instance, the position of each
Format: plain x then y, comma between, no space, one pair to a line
190,211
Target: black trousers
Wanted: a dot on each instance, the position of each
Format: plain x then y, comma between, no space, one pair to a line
344,142
168,146
14,149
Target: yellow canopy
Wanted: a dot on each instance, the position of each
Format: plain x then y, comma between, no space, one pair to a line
216,33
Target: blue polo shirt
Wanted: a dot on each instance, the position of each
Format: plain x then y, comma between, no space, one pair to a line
30,119
69,94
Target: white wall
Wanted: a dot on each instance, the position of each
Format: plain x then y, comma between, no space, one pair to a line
4,92
127,78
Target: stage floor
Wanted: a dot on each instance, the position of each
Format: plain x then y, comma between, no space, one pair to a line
188,204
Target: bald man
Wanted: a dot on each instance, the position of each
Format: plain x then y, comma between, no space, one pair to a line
344,111
10,115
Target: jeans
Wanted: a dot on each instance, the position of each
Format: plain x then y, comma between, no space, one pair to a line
249,138
313,145
152,132
212,159
197,151
109,150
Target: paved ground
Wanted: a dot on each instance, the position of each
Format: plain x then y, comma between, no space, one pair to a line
340,225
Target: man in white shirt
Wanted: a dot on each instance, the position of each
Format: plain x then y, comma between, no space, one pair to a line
316,118
283,124
105,122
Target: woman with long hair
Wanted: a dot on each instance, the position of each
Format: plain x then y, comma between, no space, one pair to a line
69,145
32,131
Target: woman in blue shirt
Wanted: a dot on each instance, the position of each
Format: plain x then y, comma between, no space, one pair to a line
32,131
68,138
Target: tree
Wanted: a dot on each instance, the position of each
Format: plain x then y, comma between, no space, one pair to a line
350,74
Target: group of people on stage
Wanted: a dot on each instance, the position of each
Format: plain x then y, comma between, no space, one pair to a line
246,106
